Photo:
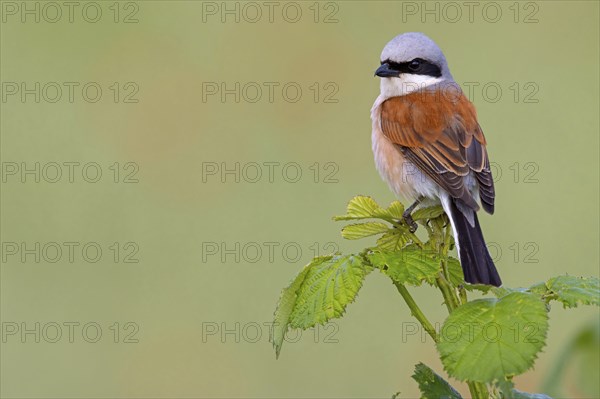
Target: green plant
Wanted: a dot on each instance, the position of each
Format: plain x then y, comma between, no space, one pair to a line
484,342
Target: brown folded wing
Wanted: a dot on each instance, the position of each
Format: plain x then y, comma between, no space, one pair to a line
441,136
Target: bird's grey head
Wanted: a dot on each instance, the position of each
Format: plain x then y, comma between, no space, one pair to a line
411,61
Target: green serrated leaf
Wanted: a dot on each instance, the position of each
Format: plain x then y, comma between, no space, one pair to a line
287,301
455,271
393,240
396,209
500,292
361,207
360,230
431,212
539,288
408,266
432,386
483,288
572,291
327,289
487,339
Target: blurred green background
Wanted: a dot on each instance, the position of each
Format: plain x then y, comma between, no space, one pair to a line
199,313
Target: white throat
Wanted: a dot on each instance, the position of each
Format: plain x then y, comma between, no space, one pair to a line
406,84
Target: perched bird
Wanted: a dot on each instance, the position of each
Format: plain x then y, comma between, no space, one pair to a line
429,146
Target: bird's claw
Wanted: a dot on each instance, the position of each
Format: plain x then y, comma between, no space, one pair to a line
412,225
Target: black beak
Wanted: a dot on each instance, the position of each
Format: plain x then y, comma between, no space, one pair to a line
384,71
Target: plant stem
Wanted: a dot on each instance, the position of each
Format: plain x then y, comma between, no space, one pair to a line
444,248
447,292
478,390
416,311
415,239
428,228
462,293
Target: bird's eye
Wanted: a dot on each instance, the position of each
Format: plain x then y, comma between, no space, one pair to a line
414,64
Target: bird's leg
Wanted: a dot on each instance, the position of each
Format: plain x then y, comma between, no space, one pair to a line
406,215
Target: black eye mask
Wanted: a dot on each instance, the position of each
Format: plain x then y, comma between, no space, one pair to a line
418,66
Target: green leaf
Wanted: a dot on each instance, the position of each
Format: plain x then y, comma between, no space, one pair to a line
396,209
432,386
431,212
318,293
362,207
498,292
455,271
569,290
539,288
360,230
408,266
487,339
327,289
572,291
287,301
393,240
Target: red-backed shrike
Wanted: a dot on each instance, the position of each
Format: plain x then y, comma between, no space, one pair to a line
428,145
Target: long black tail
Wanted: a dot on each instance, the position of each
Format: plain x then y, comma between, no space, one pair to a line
475,258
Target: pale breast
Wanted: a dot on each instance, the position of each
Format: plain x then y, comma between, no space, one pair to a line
402,176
